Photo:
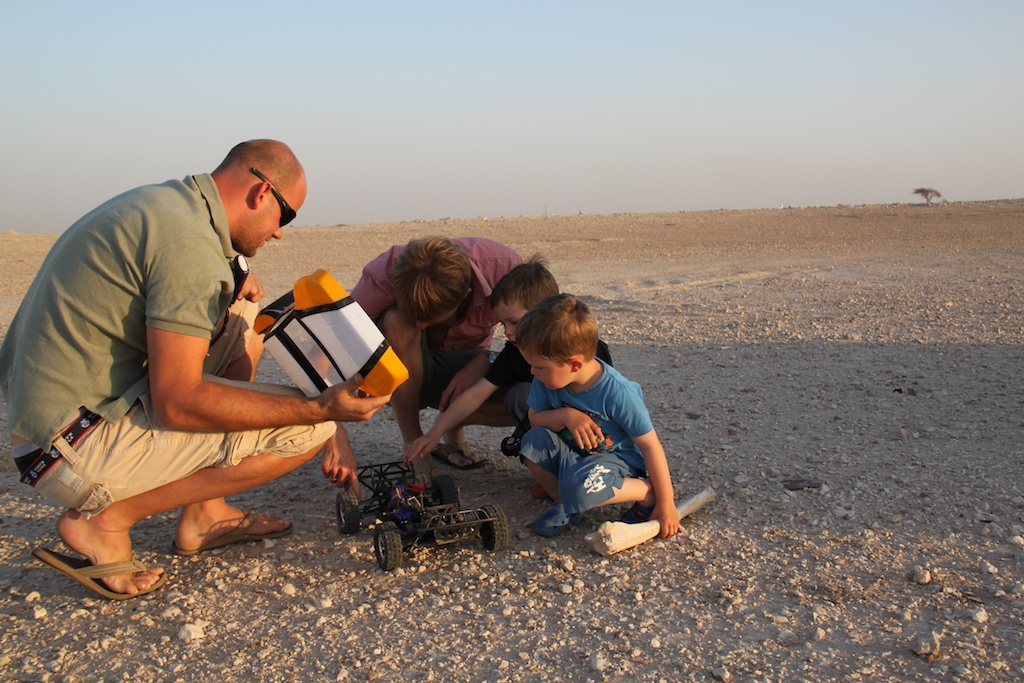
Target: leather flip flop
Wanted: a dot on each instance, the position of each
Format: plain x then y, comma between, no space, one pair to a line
240,534
444,453
88,574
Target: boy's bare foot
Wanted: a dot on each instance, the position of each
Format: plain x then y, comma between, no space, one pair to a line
100,542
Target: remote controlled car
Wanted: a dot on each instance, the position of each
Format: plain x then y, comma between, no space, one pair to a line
416,515
376,486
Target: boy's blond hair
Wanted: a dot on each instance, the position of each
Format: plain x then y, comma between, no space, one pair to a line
526,284
431,278
557,328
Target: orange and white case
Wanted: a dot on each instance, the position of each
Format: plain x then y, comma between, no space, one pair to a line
320,337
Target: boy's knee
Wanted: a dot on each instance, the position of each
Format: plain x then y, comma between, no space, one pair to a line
537,444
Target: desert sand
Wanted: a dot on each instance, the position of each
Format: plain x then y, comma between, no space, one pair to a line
849,379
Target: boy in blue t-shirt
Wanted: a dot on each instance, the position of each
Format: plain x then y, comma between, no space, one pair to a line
592,441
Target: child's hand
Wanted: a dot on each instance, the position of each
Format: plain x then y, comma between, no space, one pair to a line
419,449
668,517
585,432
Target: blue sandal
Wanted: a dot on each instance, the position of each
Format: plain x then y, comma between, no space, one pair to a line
637,514
555,520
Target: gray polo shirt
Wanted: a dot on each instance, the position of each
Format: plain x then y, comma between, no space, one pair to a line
156,256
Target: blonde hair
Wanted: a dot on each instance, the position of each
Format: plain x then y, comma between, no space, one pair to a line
431,278
557,328
526,284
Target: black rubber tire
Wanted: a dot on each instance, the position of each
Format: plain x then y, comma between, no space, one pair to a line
446,490
387,546
495,534
346,507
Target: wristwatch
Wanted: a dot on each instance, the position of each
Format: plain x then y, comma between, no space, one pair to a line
492,356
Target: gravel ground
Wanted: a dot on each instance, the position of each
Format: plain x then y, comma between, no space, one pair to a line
849,379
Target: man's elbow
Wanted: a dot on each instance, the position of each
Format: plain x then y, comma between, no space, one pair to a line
170,414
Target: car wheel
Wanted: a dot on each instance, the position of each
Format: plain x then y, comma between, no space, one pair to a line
494,533
387,546
346,505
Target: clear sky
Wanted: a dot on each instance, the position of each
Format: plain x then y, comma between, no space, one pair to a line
433,109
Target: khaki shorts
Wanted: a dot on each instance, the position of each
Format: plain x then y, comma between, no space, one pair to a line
118,460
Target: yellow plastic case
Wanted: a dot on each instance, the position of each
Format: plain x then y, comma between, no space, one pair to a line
320,336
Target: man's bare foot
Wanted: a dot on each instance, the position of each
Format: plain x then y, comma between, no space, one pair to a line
202,523
99,540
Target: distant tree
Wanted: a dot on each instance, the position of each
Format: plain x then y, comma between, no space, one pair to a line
928,194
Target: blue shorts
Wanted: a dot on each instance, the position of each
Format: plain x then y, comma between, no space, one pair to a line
585,480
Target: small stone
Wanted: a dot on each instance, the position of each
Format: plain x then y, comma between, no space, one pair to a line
988,567
921,576
656,642
39,612
598,662
566,588
288,589
926,645
1017,540
33,597
720,673
190,632
979,615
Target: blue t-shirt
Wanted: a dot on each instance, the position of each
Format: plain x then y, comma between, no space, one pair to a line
615,403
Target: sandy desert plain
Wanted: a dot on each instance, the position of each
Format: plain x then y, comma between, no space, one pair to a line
849,379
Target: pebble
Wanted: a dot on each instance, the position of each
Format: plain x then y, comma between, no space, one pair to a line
979,615
987,567
921,576
288,589
721,674
190,632
926,644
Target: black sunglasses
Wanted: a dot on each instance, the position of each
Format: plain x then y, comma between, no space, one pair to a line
287,212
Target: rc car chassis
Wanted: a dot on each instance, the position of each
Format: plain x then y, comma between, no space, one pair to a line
416,515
